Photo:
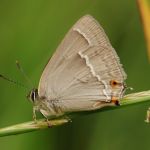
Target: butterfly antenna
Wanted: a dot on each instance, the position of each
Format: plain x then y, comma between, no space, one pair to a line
12,81
24,74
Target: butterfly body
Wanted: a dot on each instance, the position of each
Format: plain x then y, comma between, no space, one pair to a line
83,74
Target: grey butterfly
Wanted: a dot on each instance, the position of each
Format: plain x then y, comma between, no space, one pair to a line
84,73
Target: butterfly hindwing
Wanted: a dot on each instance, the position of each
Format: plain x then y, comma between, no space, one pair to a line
81,70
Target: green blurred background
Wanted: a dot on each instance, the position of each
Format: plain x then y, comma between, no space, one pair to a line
30,31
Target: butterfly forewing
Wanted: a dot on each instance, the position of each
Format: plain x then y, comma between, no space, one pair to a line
81,70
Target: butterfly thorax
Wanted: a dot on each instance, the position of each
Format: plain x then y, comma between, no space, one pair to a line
42,104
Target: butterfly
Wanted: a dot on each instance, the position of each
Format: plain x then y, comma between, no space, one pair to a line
84,73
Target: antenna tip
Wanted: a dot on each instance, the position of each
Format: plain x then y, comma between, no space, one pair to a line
17,62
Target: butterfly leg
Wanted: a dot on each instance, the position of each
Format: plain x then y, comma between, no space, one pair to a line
48,123
47,120
34,114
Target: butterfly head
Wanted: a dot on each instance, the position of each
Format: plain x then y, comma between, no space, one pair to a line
33,95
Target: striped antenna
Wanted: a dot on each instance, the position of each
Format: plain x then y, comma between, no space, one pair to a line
12,81
24,74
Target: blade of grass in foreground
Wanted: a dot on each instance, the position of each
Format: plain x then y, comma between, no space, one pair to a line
144,10
128,100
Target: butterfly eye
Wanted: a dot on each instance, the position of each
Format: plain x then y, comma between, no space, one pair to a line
33,95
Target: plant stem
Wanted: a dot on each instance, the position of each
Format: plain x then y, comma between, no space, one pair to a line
127,100
31,126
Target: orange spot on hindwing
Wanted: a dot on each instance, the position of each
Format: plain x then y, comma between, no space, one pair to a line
114,83
115,100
